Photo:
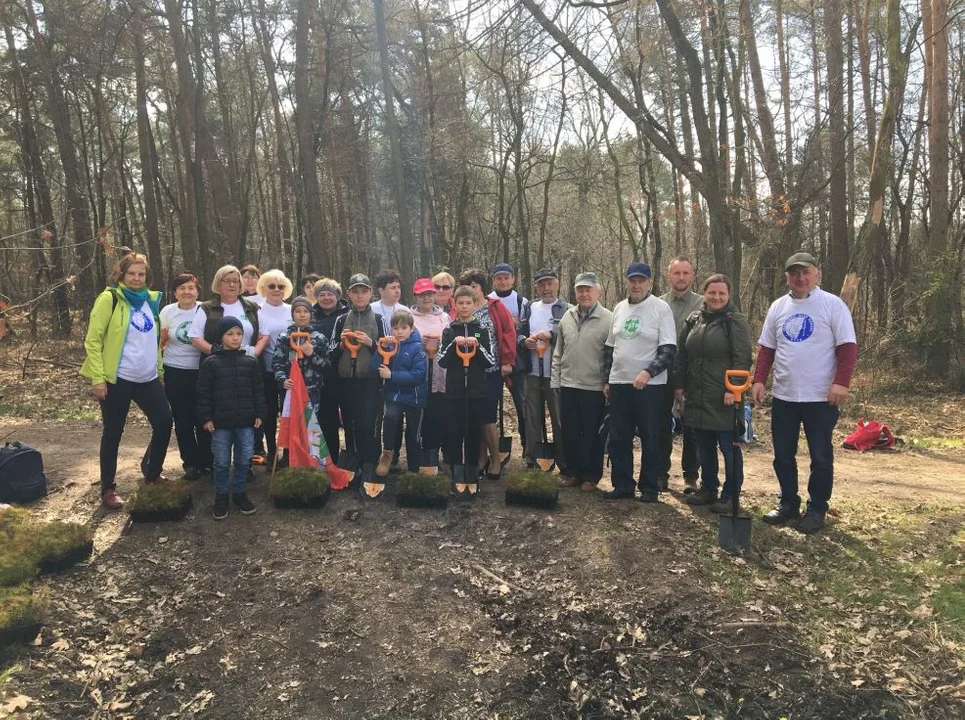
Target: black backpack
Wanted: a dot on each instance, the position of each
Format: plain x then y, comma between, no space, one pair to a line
22,478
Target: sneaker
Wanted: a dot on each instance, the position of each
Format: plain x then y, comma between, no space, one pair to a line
191,474
649,498
243,503
690,484
220,511
812,521
618,495
385,460
702,497
782,514
111,500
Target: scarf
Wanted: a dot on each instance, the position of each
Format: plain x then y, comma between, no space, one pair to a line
137,298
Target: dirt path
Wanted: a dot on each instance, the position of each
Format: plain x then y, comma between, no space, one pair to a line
482,611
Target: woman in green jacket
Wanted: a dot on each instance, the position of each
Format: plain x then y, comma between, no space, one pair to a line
124,364
713,340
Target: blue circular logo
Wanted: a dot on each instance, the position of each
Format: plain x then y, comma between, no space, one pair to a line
141,321
798,328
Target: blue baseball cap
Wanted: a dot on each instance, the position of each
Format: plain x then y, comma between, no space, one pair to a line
502,268
639,269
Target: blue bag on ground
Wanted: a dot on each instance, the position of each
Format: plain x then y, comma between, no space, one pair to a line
22,478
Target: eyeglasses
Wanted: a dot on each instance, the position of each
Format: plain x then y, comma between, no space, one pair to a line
443,287
426,294
272,286
230,281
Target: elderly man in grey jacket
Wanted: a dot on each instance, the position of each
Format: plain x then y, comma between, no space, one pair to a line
578,360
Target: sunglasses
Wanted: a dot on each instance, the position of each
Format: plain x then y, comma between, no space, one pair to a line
443,287
272,286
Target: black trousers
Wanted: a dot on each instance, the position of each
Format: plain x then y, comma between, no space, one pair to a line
392,428
361,403
181,389
150,398
581,412
433,422
517,390
270,426
464,421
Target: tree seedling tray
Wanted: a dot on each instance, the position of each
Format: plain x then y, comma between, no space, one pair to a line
296,488
533,488
29,546
422,491
21,614
66,560
167,502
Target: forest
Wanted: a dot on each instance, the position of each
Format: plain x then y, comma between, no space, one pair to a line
344,136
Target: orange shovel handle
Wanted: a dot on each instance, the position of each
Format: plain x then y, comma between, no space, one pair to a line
541,346
431,343
388,347
352,343
732,377
466,352
297,346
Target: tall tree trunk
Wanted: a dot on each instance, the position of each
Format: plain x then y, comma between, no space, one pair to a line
315,230
406,243
837,257
145,144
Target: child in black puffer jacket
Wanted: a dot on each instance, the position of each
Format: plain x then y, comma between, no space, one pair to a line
231,404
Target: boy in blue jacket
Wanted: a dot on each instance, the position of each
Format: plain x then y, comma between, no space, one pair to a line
406,390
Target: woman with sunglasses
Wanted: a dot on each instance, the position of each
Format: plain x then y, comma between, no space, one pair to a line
443,284
273,319
329,306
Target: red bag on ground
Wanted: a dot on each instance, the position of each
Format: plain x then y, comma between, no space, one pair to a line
870,435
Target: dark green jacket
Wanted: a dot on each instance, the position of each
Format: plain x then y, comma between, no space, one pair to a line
709,345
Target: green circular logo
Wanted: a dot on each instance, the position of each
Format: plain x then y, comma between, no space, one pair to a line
631,326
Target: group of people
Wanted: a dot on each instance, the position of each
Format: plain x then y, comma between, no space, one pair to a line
432,377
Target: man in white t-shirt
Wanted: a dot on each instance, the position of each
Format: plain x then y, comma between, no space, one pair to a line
388,283
503,279
808,337
640,349
539,325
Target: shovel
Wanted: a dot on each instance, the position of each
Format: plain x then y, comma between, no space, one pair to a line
505,441
349,458
545,450
430,456
387,346
295,344
734,532
466,352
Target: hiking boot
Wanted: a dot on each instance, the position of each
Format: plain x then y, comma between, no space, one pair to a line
191,474
702,497
782,514
385,461
812,521
724,506
243,503
220,510
111,500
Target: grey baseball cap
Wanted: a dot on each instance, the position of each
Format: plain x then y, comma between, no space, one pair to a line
359,279
586,279
801,258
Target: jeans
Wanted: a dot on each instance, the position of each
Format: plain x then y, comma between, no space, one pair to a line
819,419
267,434
538,393
708,441
581,412
646,412
464,428
150,398
222,440
361,402
181,389
392,424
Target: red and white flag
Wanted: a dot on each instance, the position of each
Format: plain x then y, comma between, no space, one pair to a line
302,436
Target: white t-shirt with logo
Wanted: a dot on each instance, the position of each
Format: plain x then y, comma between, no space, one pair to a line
178,350
804,332
139,354
635,334
273,320
541,319
235,310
